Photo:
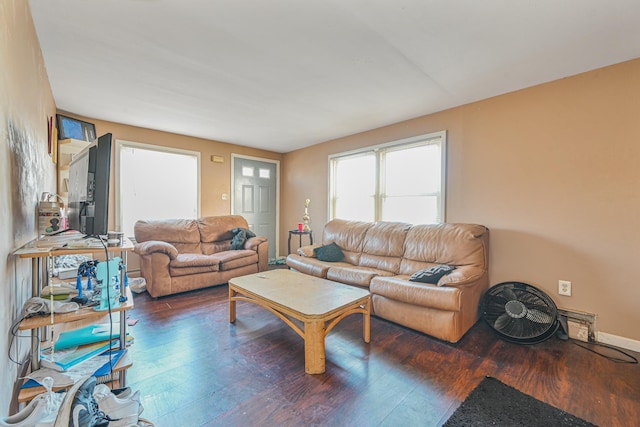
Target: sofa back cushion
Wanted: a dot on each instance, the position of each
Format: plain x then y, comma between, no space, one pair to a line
217,228
384,246
450,244
216,234
181,233
349,235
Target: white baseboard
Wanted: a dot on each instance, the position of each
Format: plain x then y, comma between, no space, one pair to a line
617,341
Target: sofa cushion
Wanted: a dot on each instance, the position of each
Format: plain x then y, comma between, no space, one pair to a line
215,247
354,275
189,248
236,258
185,264
450,244
384,246
168,230
349,235
217,228
195,260
329,253
431,274
399,288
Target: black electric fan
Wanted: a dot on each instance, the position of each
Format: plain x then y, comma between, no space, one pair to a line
519,312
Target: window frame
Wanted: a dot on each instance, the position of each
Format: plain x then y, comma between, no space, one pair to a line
120,144
439,138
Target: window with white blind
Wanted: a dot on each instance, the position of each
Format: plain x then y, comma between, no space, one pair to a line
398,181
154,182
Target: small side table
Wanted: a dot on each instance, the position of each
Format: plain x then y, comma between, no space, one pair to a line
300,234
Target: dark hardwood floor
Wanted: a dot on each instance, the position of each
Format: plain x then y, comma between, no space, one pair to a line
194,368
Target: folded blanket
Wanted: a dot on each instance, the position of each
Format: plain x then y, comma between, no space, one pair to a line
240,236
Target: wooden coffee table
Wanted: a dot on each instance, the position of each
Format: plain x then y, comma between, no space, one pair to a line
310,300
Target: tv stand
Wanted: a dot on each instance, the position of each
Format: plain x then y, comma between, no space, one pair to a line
41,252
87,242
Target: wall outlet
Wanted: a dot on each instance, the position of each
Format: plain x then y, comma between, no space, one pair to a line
564,287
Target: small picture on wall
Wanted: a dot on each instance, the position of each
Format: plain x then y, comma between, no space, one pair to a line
70,128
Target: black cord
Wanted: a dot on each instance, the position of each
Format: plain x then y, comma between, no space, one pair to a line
66,230
107,286
632,359
14,334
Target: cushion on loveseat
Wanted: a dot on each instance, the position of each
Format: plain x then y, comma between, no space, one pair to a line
236,258
168,230
219,228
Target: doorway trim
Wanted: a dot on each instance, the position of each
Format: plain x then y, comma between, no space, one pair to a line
235,156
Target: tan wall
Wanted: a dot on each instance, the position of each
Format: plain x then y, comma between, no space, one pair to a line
26,170
552,171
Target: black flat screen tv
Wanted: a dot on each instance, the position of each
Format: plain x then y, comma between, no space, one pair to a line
89,174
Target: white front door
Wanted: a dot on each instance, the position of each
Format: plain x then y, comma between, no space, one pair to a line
255,196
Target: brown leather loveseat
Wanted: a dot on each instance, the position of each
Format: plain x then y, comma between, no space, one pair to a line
383,256
178,255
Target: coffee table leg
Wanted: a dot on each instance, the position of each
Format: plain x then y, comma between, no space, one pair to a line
366,322
314,354
232,305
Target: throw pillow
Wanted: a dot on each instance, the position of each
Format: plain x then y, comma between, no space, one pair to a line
432,274
329,253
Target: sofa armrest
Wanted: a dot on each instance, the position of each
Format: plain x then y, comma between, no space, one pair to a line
461,276
260,244
307,251
156,246
253,243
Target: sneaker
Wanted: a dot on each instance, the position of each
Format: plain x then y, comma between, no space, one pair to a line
121,411
40,412
79,408
121,393
53,406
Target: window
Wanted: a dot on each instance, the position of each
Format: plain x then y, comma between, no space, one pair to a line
399,181
155,182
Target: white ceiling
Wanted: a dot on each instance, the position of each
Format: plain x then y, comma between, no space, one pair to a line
285,74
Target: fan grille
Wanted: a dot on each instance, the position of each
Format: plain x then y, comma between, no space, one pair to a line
519,312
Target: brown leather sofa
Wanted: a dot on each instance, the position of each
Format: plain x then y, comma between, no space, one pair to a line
383,256
179,255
